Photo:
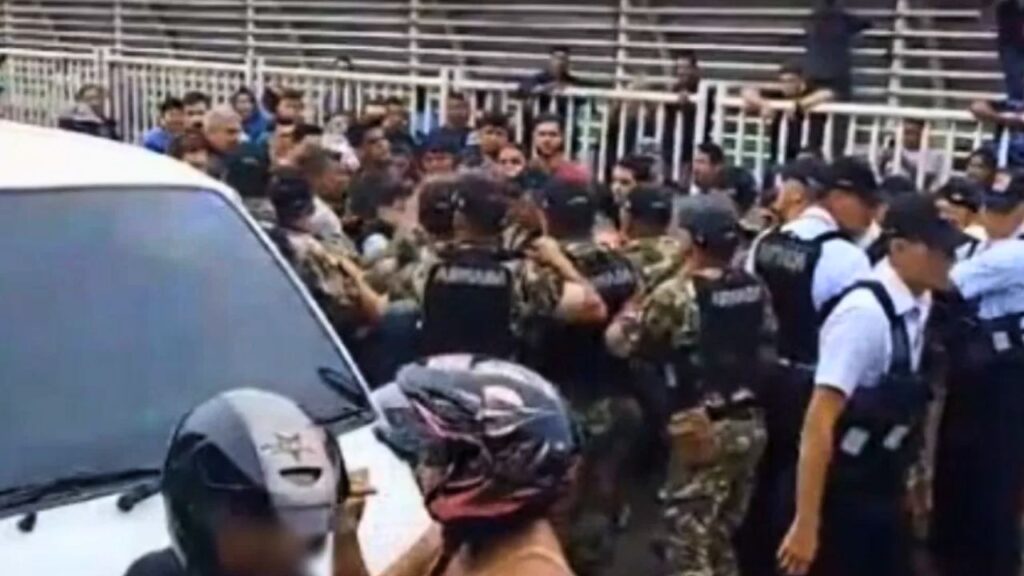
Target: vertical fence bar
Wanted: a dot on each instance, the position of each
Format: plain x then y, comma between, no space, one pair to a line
923,156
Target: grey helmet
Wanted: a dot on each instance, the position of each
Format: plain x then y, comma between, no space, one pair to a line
254,454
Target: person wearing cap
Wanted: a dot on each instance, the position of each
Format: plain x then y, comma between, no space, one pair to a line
864,425
704,325
959,201
595,383
806,263
475,296
331,275
645,215
979,465
873,241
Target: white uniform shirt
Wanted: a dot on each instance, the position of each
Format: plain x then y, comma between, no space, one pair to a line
995,276
855,348
841,264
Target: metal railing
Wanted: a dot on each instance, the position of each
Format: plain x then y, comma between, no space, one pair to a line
601,125
616,40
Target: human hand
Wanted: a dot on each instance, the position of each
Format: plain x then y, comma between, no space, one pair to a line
799,548
546,250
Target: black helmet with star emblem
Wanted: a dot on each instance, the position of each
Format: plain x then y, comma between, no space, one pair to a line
251,455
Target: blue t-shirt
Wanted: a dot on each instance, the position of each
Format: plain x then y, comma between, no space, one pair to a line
158,140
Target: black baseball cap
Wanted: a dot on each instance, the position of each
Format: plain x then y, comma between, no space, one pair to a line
710,221
291,195
916,218
567,197
481,200
894,186
1005,198
855,176
810,172
962,192
649,203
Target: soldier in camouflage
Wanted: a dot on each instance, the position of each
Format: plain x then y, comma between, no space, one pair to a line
703,326
475,296
645,215
332,276
394,272
596,385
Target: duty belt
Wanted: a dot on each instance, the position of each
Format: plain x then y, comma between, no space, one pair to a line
742,410
796,365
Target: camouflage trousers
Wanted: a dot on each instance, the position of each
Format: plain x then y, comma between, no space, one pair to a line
705,504
587,524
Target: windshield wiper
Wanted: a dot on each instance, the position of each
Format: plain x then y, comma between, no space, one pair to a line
349,390
72,485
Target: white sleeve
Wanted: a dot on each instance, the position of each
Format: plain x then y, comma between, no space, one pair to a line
992,271
841,264
852,345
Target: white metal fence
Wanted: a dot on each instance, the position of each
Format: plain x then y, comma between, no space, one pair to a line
600,125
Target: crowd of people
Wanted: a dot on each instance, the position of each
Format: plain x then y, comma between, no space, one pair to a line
822,370
769,351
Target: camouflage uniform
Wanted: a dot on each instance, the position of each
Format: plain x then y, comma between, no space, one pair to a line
317,265
656,259
391,272
536,290
705,498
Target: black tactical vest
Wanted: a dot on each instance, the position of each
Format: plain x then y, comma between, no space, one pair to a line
575,357
786,263
878,435
468,304
722,368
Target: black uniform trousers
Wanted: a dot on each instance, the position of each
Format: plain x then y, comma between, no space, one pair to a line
979,471
784,397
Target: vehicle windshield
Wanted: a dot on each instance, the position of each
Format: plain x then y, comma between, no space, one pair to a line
120,310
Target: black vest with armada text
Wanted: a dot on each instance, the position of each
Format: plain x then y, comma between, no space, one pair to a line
468,304
721,369
575,357
880,430
787,263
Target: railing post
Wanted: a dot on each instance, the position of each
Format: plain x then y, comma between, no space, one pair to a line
896,48
258,79
622,39
250,30
414,36
118,26
446,87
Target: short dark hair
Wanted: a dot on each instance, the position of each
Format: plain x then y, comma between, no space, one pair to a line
437,205
314,161
688,55
303,131
453,95
374,189
290,94
494,119
243,91
713,152
357,132
195,97
171,103
480,201
640,166
560,48
987,156
548,118
190,141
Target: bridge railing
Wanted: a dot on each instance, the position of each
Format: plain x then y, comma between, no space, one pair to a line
600,125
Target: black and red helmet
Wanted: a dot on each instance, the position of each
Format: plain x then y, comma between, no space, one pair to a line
489,439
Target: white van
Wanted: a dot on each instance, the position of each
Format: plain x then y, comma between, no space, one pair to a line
132,288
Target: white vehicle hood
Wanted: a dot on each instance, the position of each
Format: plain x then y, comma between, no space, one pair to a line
94,538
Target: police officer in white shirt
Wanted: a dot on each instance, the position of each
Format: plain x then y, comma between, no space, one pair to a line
806,263
864,424
979,468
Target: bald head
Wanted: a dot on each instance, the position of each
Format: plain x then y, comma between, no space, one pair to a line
222,127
